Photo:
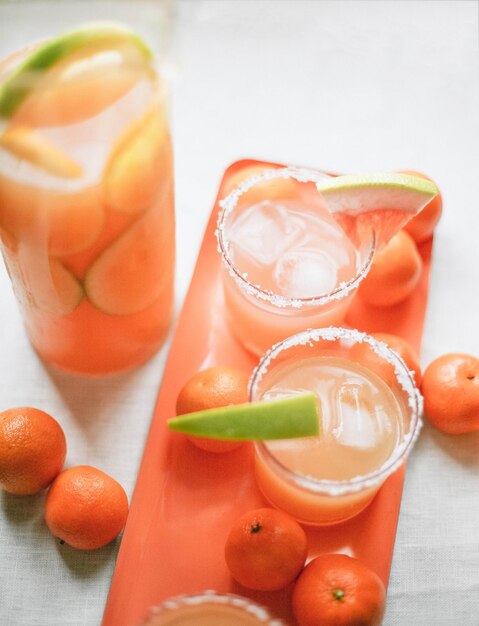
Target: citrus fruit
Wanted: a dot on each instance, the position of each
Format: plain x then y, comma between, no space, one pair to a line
384,202
450,387
32,450
370,359
28,145
268,189
138,164
338,590
73,76
210,388
394,273
283,418
43,282
421,227
86,508
265,549
67,222
128,275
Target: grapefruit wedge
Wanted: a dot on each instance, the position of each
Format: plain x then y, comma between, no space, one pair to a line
382,202
74,76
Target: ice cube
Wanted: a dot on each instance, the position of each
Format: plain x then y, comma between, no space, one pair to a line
305,273
264,231
359,421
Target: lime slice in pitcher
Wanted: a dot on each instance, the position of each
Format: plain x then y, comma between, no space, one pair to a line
284,418
384,202
74,76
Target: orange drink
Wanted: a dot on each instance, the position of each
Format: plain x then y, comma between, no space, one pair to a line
209,608
288,265
86,198
369,422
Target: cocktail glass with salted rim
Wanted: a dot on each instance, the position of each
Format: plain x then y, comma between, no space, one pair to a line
209,608
287,264
86,197
370,416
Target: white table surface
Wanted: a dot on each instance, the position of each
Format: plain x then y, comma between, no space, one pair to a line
348,86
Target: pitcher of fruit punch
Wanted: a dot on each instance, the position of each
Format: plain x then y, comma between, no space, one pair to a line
87,197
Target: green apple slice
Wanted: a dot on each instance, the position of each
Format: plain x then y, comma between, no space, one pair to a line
22,80
384,202
283,418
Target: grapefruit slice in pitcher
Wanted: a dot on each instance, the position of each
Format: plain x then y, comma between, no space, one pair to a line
74,76
382,202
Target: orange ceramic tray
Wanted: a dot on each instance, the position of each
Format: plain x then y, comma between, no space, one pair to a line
185,499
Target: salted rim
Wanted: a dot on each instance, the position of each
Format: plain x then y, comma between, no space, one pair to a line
215,597
228,204
404,378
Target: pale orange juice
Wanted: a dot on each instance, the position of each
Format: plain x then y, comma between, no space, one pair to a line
368,423
210,609
288,265
87,204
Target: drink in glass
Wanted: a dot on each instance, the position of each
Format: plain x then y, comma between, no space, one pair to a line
87,199
287,263
209,608
369,409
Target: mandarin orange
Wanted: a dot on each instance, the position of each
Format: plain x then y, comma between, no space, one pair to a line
422,226
272,189
208,389
405,351
338,590
450,387
394,273
265,549
86,508
32,450
365,355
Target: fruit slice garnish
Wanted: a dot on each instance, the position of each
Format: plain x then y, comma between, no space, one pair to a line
130,274
135,167
66,222
20,82
27,144
73,76
43,282
283,418
63,294
384,202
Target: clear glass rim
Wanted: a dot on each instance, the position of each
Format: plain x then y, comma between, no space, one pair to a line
404,378
227,206
216,597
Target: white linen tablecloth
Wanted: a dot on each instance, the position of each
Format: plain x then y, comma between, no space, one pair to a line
347,86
